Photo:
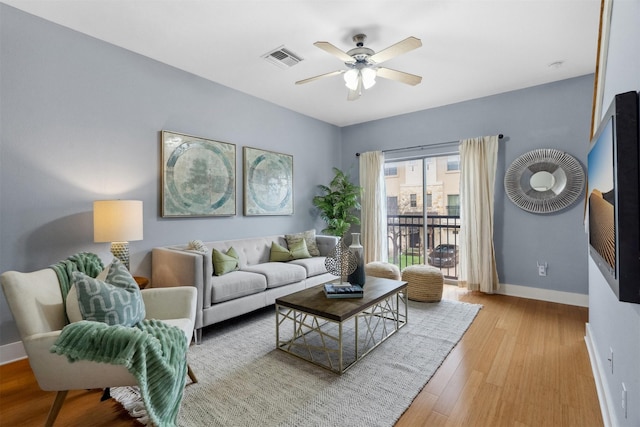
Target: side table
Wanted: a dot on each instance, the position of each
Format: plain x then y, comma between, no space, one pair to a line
142,282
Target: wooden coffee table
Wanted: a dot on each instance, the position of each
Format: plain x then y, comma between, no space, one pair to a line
337,333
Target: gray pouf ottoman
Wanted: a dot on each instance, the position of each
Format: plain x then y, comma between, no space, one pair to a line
424,283
383,270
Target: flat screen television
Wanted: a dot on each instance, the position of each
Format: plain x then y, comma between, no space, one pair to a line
614,197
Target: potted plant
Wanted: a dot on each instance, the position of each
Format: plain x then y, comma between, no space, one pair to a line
337,203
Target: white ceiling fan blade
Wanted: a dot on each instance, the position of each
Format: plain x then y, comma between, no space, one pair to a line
329,48
321,76
399,76
401,47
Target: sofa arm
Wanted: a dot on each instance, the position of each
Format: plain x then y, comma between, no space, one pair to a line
170,268
326,243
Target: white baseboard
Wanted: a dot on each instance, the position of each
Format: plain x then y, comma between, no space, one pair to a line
569,298
12,352
603,397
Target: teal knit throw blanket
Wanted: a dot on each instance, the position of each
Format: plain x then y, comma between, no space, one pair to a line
154,352
84,262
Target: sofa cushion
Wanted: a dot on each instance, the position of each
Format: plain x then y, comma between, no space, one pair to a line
114,301
279,253
309,238
251,250
236,284
314,265
224,263
278,274
299,250
72,305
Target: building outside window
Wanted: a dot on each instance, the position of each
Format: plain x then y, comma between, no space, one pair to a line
453,204
390,170
453,163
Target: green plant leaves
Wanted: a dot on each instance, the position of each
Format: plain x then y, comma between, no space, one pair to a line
337,203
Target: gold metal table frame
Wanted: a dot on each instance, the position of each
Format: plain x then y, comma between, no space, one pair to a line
319,331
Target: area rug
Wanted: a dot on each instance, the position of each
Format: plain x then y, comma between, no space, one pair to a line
244,381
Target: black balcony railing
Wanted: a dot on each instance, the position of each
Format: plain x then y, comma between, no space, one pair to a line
411,243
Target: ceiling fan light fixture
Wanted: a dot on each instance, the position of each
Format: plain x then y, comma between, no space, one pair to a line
363,65
368,76
351,79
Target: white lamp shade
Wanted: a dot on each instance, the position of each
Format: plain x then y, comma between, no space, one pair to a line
117,220
351,79
368,77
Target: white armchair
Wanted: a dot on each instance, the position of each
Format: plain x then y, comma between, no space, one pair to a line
36,303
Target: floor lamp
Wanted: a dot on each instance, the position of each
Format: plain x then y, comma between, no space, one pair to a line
118,222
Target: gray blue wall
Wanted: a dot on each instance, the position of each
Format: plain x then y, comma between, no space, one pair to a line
555,115
613,324
80,121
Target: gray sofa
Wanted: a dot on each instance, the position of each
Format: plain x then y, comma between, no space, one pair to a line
256,284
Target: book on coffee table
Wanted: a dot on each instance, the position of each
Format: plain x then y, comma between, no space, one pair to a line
332,290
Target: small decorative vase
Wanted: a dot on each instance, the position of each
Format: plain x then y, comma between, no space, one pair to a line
340,261
357,277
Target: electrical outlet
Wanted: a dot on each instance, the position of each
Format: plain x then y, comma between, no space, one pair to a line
624,400
542,269
610,359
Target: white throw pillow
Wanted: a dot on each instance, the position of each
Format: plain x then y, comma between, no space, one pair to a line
73,307
198,246
71,303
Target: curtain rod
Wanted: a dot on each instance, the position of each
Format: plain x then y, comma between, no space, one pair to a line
500,136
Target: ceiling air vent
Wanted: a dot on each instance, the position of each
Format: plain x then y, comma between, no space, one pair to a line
282,57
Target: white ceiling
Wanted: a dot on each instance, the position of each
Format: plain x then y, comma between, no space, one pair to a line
471,48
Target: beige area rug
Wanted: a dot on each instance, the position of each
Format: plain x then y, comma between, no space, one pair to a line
244,381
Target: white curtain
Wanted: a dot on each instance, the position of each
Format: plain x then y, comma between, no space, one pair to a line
374,207
478,158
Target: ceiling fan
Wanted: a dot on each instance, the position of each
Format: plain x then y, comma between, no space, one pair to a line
363,64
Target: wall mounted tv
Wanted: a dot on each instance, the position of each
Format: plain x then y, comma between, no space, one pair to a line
614,197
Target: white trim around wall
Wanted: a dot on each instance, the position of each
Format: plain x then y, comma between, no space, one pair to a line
12,352
569,298
604,397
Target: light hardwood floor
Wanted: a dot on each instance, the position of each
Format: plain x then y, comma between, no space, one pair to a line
521,363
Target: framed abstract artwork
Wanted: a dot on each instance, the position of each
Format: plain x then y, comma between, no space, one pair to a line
198,176
606,7
268,182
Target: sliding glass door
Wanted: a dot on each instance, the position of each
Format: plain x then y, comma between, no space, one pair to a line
423,212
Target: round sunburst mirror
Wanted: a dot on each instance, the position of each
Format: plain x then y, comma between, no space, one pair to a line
544,180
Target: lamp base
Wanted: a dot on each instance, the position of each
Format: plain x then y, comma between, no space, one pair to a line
120,250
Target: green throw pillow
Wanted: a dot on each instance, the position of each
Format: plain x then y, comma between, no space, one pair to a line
280,254
309,237
299,250
224,263
114,301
